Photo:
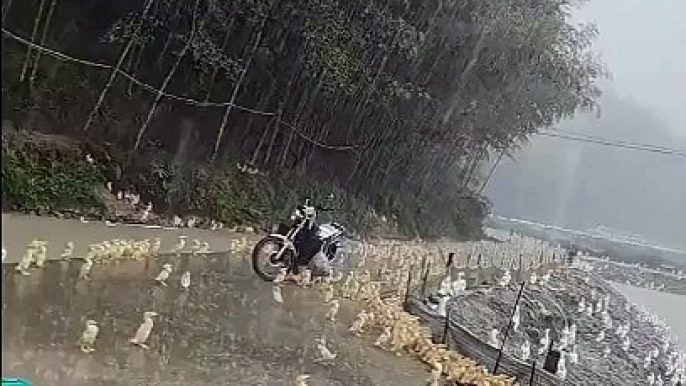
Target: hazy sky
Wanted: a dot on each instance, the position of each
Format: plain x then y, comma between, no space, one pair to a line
578,185
643,43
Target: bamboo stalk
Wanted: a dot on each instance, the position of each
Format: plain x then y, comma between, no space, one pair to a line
167,79
234,94
115,70
34,32
216,68
6,9
44,35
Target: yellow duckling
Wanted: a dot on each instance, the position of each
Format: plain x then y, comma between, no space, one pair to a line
301,380
359,322
328,293
25,262
383,338
41,254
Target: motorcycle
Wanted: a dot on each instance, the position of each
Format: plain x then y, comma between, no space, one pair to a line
296,244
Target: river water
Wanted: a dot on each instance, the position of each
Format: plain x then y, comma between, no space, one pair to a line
669,307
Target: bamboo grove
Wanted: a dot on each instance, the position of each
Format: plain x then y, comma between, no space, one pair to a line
397,101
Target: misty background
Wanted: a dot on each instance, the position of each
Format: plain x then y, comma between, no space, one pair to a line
581,185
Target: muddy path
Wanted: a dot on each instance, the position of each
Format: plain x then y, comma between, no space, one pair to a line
226,329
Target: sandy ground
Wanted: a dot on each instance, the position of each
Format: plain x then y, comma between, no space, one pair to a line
226,329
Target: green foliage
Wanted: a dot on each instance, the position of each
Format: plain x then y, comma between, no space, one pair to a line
48,182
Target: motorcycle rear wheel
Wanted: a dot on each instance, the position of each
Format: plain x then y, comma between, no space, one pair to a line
264,261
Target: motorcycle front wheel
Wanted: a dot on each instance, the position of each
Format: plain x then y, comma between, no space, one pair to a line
266,261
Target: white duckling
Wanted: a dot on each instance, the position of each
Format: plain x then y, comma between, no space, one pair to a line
333,310
601,336
561,367
573,356
301,380
359,322
68,251
156,246
90,333
460,284
328,293
564,338
143,332
324,352
305,277
179,245
581,306
626,343
651,379
505,280
533,278
276,294
648,360
145,216
162,277
445,288
599,306
525,350
607,320
544,342
494,338
589,309
85,270
545,278
280,276
384,337
196,247
516,319
442,306
186,280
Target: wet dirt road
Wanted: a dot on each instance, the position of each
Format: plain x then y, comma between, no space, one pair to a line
18,230
226,329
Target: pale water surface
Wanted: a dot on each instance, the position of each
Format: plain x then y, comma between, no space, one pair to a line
670,307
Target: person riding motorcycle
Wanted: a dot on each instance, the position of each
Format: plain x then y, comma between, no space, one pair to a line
307,241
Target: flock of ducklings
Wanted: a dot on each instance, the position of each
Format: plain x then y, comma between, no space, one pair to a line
117,250
380,295
383,317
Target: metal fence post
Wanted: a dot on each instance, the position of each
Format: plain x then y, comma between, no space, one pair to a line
425,277
509,326
446,328
406,303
